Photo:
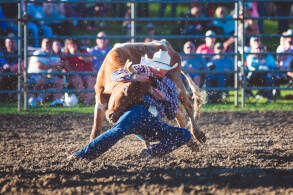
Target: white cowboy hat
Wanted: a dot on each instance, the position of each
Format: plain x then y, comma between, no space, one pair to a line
160,60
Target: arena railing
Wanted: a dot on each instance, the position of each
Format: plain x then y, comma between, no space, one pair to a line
238,55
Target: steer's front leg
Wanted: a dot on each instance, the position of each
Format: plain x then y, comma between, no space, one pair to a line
99,114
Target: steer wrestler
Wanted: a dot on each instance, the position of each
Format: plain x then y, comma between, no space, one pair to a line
144,119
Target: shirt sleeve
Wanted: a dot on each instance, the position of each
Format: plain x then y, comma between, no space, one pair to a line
171,100
122,75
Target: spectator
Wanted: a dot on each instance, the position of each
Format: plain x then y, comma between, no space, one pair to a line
3,79
127,15
254,42
79,64
256,62
146,40
57,50
100,50
151,31
10,54
57,11
250,27
281,47
227,26
3,63
192,62
207,8
98,10
286,47
40,62
194,27
36,10
56,47
5,26
261,11
208,46
219,62
284,60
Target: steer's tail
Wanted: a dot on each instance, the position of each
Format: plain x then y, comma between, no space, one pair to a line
197,98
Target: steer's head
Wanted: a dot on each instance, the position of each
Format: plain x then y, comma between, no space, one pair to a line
123,96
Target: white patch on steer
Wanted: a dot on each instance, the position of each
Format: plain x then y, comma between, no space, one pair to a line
155,42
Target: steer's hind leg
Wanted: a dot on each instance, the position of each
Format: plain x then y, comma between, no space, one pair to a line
181,121
99,114
180,117
199,135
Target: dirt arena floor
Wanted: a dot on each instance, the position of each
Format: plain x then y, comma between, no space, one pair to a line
246,153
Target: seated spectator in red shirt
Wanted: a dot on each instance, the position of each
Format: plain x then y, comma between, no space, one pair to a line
208,46
79,64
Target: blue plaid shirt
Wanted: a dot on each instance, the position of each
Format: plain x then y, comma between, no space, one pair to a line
167,107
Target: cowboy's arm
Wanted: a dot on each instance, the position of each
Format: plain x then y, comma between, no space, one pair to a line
140,74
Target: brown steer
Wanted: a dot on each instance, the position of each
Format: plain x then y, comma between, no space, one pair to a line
117,58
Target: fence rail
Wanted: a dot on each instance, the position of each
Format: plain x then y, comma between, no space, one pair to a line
239,74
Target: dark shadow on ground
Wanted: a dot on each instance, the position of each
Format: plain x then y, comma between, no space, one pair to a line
241,177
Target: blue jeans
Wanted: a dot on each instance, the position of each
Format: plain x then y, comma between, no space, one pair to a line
138,120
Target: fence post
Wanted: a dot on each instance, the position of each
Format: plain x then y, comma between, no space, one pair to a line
242,54
133,22
19,52
25,57
236,55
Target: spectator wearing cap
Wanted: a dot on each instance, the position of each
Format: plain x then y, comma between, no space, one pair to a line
282,46
151,29
219,62
285,57
150,32
100,50
191,63
258,62
254,42
208,46
287,47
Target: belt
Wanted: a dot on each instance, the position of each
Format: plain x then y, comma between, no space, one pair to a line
153,110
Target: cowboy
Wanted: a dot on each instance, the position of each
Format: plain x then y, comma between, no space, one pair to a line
144,119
